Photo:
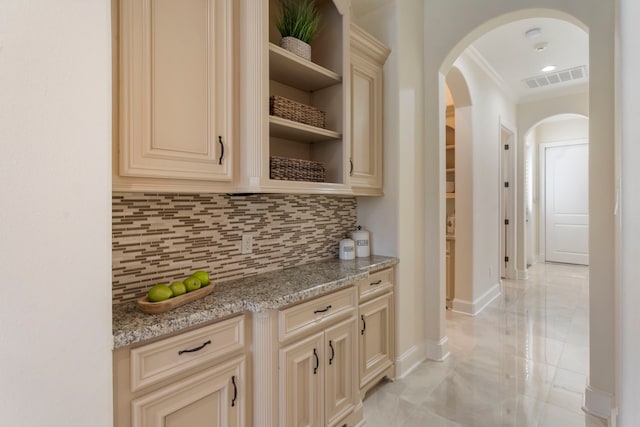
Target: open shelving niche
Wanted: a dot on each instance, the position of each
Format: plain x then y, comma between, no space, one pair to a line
318,83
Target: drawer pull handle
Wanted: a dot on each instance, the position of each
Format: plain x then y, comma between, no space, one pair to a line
324,310
375,283
193,350
235,391
364,325
221,149
333,352
315,368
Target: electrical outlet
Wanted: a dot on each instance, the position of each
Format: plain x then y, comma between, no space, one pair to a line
247,244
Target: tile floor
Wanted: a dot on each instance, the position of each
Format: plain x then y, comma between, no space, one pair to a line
521,362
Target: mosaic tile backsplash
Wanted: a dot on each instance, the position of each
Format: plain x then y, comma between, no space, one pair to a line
164,237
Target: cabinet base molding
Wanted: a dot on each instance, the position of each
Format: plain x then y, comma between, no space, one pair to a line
598,402
389,373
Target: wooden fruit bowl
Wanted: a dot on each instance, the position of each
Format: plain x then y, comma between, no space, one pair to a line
149,307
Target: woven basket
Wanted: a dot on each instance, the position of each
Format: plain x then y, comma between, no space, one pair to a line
297,47
296,170
292,110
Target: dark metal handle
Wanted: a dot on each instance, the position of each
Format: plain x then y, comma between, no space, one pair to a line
235,391
333,352
364,324
375,283
324,310
315,368
192,350
221,149
351,169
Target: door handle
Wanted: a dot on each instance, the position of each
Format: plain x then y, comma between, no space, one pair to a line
333,352
221,149
315,368
364,324
235,391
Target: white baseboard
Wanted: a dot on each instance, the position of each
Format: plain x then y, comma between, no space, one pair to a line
437,350
522,274
409,360
475,307
540,259
597,402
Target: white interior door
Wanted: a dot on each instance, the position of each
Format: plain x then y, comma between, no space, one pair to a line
567,203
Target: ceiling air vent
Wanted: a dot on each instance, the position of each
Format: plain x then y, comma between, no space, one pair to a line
561,76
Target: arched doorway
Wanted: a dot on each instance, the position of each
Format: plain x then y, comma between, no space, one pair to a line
443,46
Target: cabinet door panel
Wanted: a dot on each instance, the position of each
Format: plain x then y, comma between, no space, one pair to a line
301,383
340,393
176,88
375,343
214,397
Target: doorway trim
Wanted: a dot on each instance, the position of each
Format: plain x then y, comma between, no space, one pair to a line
542,189
508,198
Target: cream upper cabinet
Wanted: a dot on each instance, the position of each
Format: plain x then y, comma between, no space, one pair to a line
367,60
281,95
177,91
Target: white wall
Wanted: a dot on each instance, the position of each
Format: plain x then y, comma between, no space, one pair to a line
55,138
628,317
478,188
396,218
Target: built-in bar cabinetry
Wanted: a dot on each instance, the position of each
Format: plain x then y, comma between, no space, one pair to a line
305,371
192,87
376,336
368,56
197,378
175,95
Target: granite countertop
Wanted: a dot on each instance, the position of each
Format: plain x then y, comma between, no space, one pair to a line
263,292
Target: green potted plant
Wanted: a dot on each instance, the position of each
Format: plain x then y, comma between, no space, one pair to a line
297,23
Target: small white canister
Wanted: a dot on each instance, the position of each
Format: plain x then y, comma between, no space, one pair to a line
361,239
347,249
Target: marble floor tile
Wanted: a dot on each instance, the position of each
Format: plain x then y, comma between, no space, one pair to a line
521,362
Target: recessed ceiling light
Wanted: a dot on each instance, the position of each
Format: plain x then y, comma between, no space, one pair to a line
533,33
539,47
548,68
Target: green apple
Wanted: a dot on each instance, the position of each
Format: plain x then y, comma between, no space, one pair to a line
178,288
203,276
192,284
159,292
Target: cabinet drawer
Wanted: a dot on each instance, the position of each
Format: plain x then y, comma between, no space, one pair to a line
319,311
160,360
376,284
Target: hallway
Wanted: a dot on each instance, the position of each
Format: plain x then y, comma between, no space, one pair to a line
522,362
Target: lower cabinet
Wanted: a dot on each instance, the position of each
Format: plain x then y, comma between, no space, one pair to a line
196,378
307,375
211,398
315,370
376,335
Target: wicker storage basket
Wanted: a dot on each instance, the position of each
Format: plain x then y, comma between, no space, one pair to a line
296,170
292,110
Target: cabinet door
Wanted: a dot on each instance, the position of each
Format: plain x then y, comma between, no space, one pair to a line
176,89
301,383
340,375
214,397
366,124
375,338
